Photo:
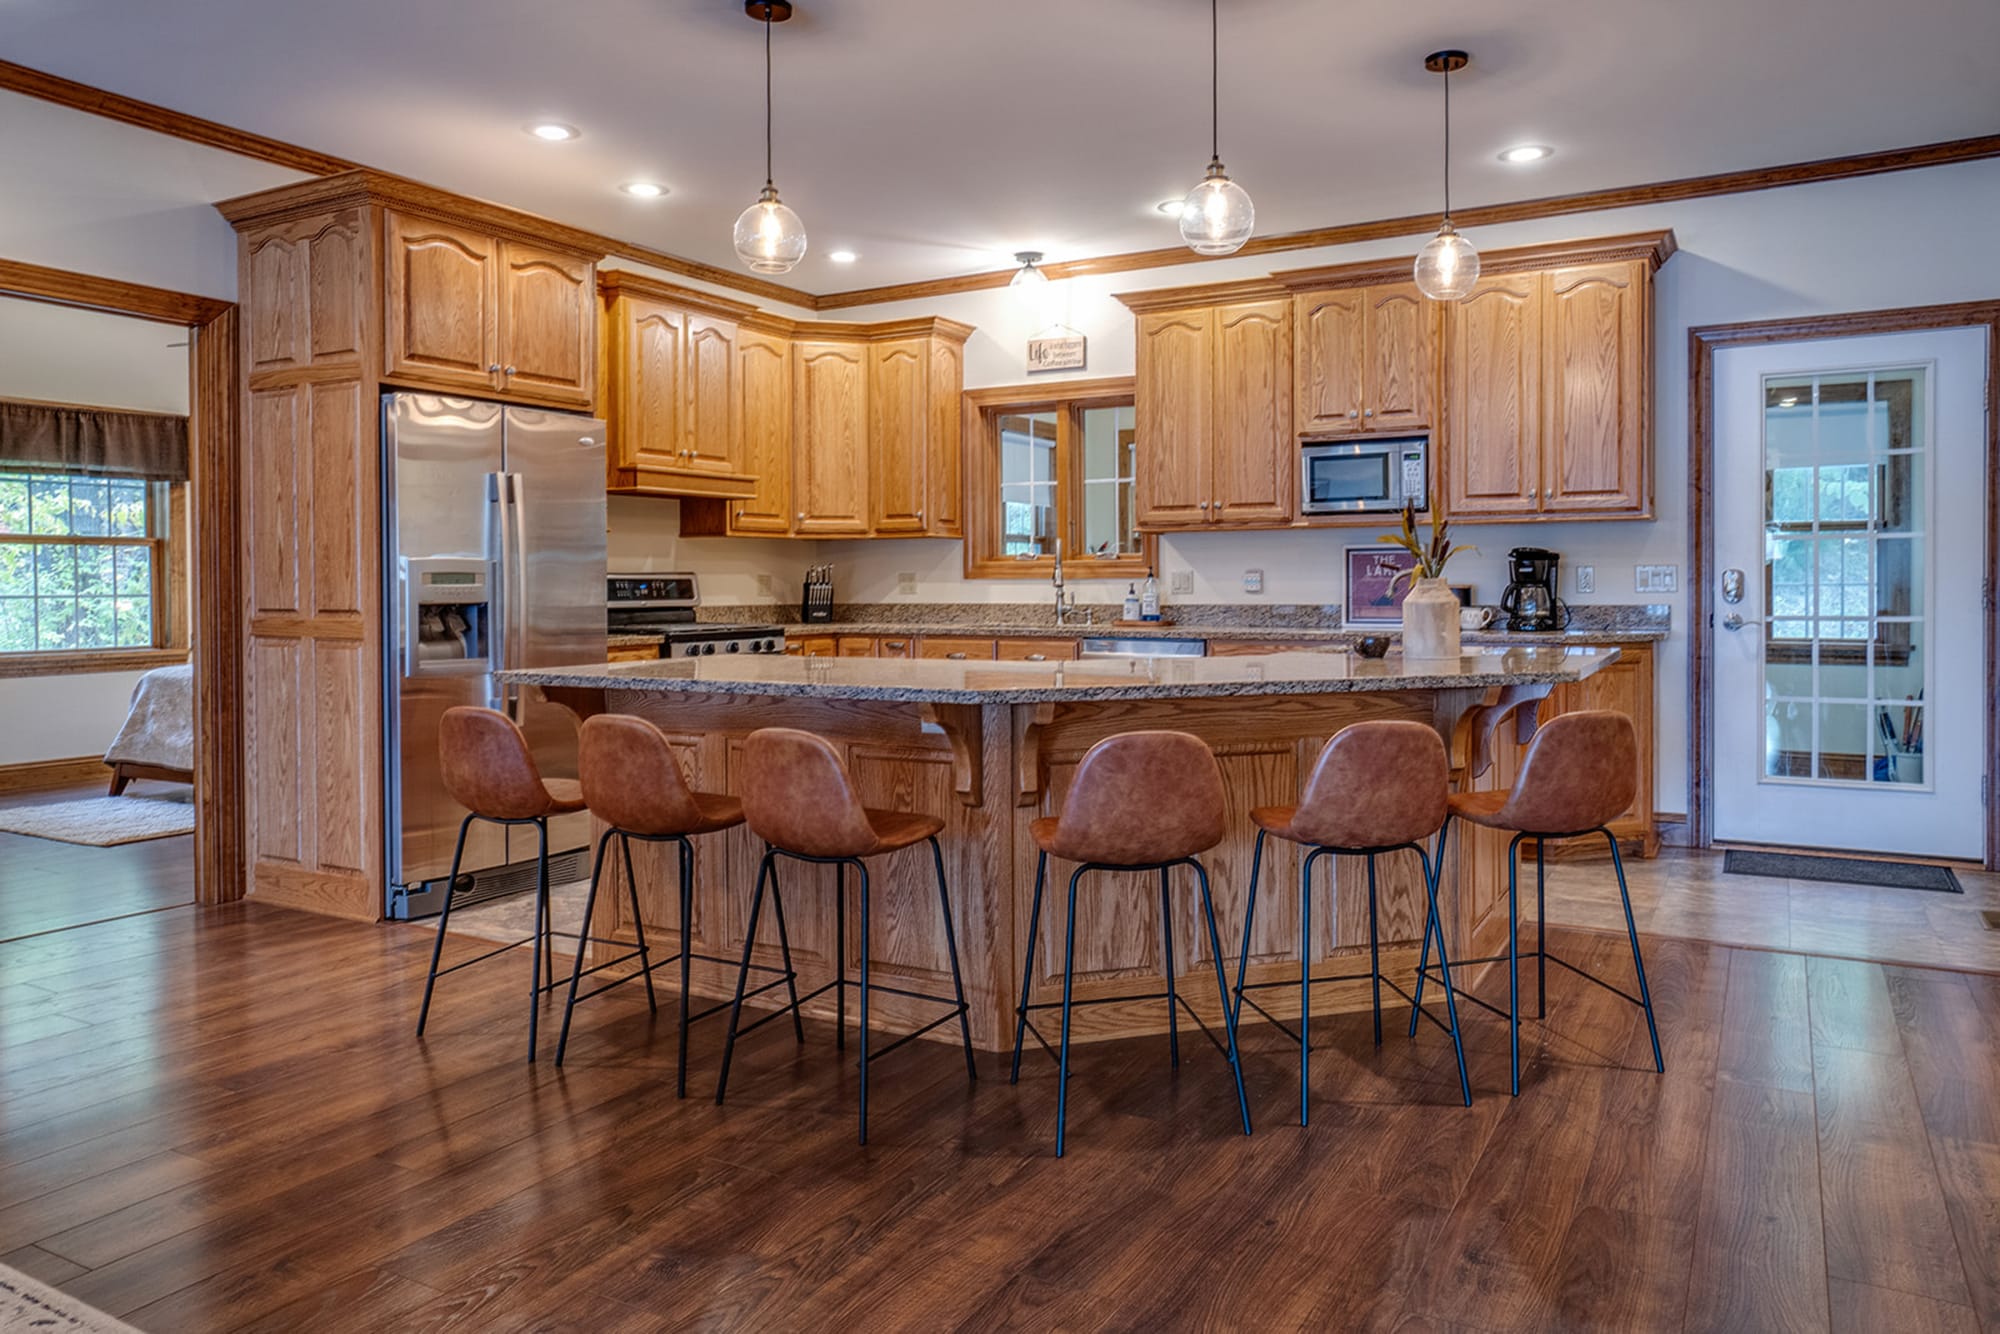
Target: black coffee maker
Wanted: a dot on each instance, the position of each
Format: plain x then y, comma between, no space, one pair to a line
1530,601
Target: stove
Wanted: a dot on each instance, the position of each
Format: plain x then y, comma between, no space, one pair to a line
664,604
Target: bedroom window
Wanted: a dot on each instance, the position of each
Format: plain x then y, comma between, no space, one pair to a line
83,562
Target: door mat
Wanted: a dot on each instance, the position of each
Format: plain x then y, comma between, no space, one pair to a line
103,822
1845,870
27,1303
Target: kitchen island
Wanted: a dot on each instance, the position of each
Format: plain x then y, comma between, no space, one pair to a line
990,746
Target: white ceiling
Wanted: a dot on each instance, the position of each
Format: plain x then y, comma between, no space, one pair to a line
936,138
58,354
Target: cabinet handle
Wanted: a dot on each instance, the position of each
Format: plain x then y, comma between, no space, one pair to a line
494,369
510,370
1534,493
895,643
1204,504
1369,413
920,516
1353,413
802,516
954,655
1038,657
739,514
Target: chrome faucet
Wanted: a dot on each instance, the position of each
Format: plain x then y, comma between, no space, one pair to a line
1057,579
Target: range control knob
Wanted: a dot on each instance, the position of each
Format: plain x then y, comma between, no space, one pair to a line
734,647
708,648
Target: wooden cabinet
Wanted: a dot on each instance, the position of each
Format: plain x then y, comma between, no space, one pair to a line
896,646
764,417
1364,359
1626,687
830,438
956,646
1549,394
635,653
1240,648
1214,415
468,311
1036,650
812,646
855,646
673,406
914,428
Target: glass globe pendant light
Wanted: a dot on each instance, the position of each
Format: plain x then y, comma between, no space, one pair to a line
1217,215
769,237
1448,267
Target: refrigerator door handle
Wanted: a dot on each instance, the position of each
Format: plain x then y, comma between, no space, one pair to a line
518,577
500,648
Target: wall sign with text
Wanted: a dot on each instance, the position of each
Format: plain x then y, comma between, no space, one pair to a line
1061,353
1377,583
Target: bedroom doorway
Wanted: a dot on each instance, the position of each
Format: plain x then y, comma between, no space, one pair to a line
119,642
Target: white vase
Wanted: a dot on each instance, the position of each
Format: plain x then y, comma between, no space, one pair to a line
1430,621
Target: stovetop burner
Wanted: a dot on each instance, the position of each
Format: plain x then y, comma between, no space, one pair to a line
664,605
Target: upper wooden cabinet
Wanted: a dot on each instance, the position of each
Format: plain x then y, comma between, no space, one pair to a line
1214,414
830,438
672,402
764,419
1364,359
914,430
464,309
1494,398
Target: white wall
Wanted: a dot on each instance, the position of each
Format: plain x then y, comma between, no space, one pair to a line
735,571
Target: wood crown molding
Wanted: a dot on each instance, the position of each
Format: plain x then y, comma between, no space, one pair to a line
1051,391
63,287
1655,248
1974,149
362,187
1207,294
614,283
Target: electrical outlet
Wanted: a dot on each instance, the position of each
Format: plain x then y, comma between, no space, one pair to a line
1253,581
1180,583
906,583
1586,579
1656,578
767,587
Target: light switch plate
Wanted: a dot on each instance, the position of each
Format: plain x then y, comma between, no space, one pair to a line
1253,581
1656,578
1181,583
1586,579
906,583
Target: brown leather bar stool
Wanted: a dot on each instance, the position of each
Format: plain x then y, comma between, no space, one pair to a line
1581,773
799,798
633,783
1377,787
1140,801
489,770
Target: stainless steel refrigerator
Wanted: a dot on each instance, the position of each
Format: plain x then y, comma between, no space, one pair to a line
495,525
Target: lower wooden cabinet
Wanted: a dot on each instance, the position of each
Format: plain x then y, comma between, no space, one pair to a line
955,646
1626,687
812,646
1037,650
855,646
634,653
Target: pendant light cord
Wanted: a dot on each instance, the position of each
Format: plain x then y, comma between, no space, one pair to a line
1214,82
1447,143
767,97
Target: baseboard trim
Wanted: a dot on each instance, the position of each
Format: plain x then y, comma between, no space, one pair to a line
1672,827
42,775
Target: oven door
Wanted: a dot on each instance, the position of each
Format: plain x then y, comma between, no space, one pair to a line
1348,478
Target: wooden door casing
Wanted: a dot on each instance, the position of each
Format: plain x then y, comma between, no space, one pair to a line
830,430
1493,410
1175,387
1253,454
547,340
764,423
1596,352
441,325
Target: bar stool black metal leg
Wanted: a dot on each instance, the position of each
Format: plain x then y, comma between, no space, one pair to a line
1069,972
951,948
1222,992
576,970
542,950
548,914
840,956
785,952
1541,930
1167,935
1638,964
687,960
1431,874
1514,961
742,977
638,923
1028,967
1374,952
444,920
1305,982
862,868
1249,919
1430,922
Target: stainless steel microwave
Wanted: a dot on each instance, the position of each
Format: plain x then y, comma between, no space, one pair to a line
1354,476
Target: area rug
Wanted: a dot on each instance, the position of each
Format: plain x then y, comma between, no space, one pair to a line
104,822
26,1304
1843,870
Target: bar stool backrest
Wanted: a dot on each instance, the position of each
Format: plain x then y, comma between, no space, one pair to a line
488,768
1140,798
631,778
1375,785
797,795
1582,771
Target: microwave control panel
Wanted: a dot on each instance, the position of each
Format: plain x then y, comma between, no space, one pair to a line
1416,486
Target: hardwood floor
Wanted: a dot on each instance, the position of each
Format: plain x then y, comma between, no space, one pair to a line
51,886
219,1119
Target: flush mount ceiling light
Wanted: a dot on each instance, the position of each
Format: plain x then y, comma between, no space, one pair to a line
643,189
1217,215
1029,275
842,256
553,131
769,237
1521,154
1447,268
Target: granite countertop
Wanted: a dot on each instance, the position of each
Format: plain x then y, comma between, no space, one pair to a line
917,680
1338,637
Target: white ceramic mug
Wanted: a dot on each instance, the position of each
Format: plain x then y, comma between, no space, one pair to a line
1475,618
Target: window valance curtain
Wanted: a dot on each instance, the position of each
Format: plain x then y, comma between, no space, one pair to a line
104,442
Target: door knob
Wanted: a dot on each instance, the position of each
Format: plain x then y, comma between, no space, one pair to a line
1732,622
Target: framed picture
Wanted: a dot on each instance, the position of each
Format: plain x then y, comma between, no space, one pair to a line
1374,593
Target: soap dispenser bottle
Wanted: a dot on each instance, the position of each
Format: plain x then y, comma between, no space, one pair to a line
1130,611
1149,600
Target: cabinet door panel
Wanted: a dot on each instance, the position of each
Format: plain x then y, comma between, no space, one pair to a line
548,348
944,465
442,289
651,378
1493,405
898,381
1036,650
830,426
1594,376
1400,348
1175,382
1254,452
711,436
1329,328
954,646
764,414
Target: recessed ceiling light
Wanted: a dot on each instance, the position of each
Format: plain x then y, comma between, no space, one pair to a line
1172,207
1521,153
554,131
643,189
842,256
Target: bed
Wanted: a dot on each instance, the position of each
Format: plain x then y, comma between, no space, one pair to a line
157,738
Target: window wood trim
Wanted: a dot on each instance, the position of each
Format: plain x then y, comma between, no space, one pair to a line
166,545
82,661
982,480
